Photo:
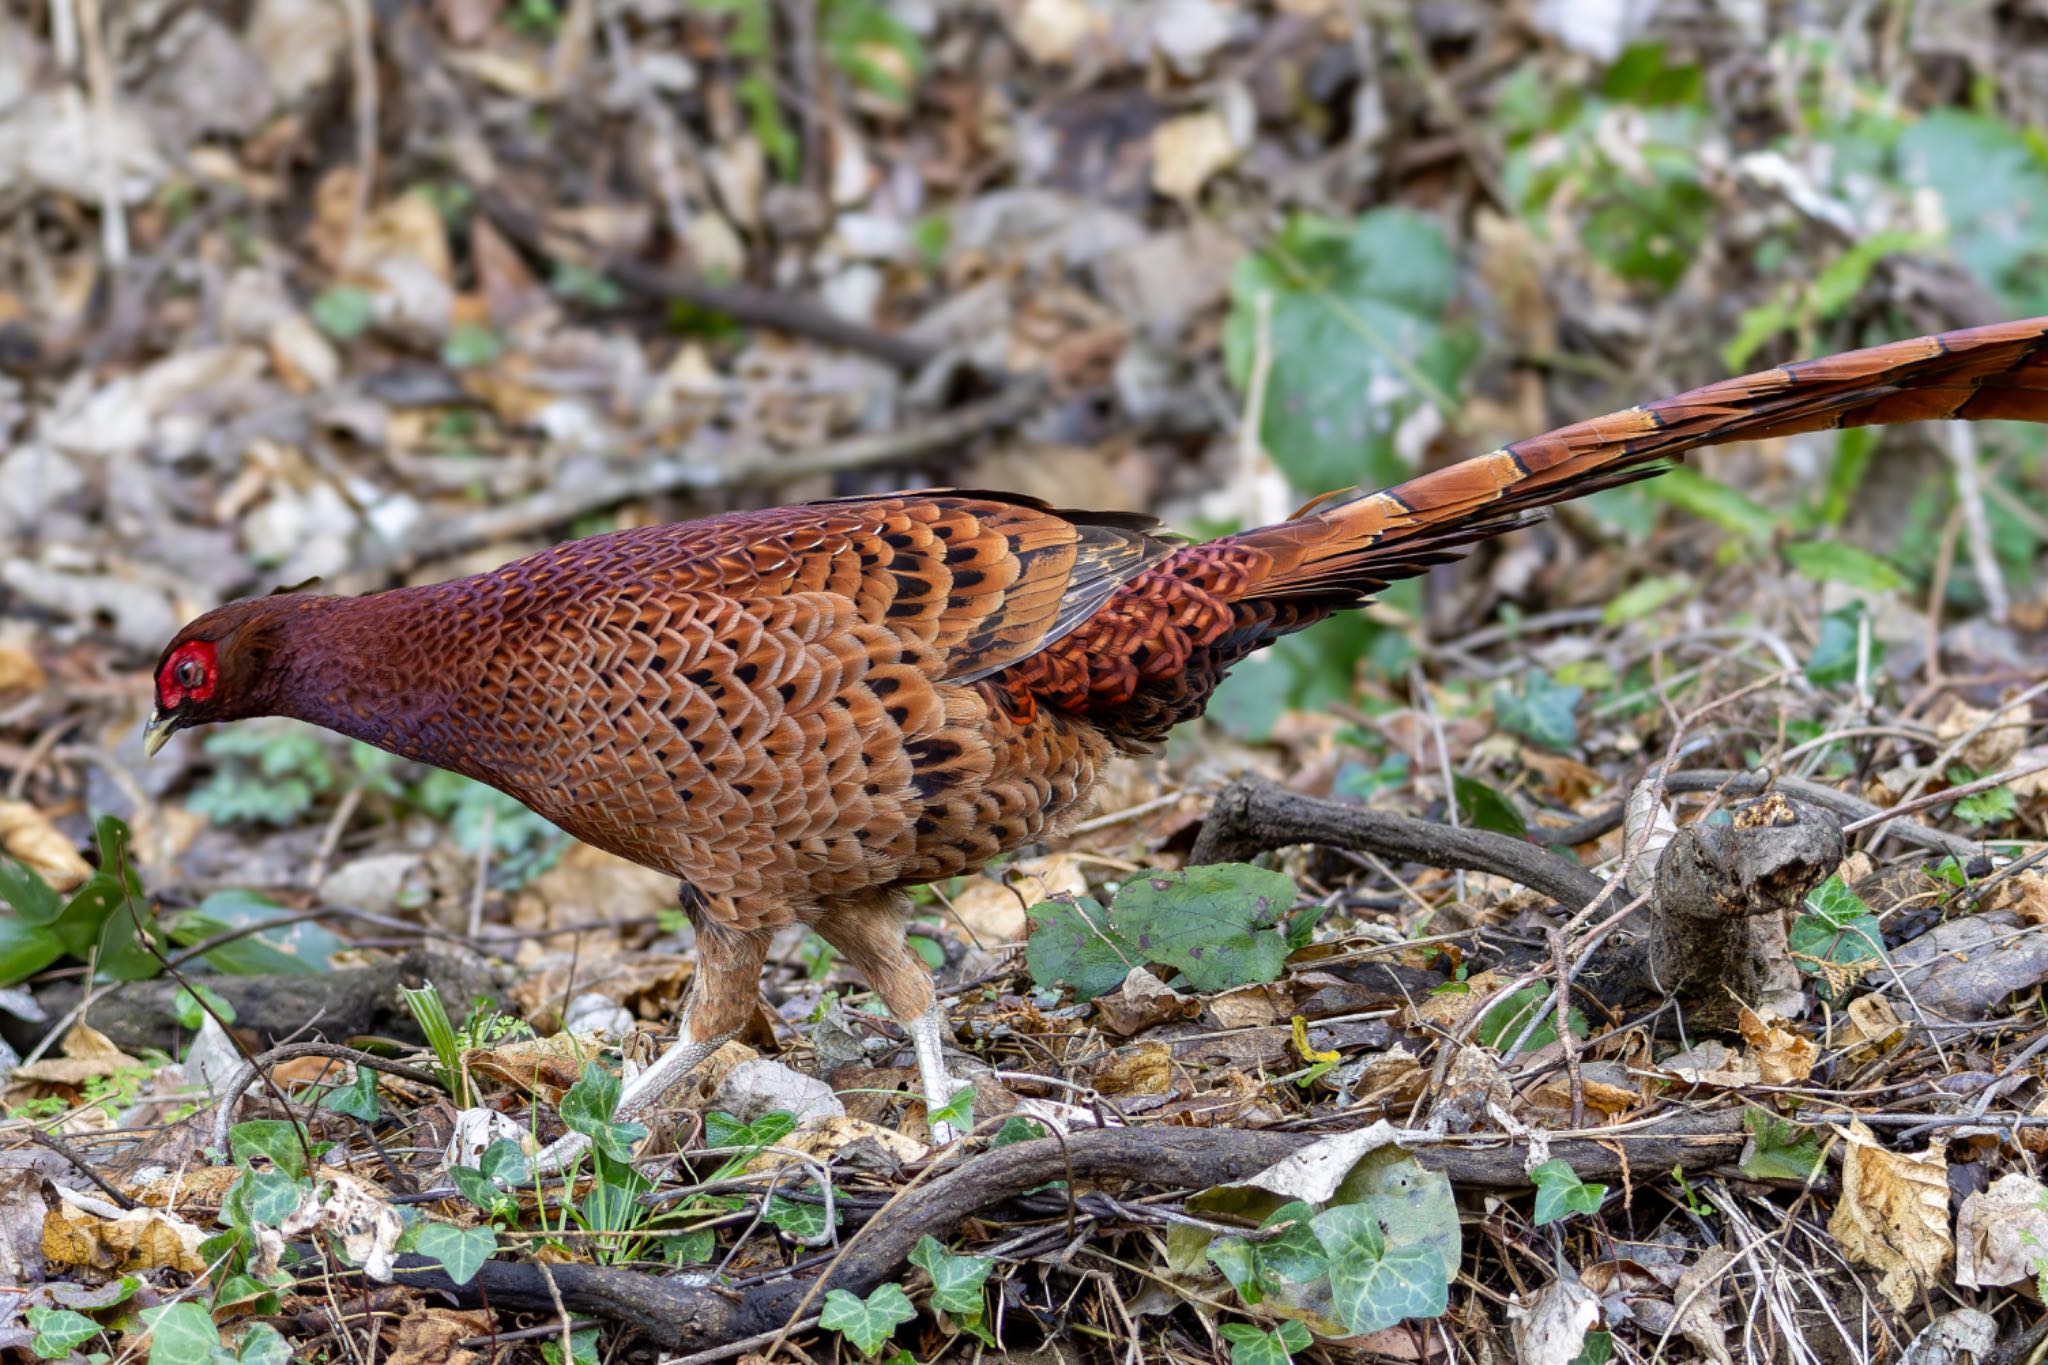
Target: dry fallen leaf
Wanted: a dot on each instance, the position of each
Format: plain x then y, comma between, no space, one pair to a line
1697,1297
1991,750
545,1067
1712,1063
1893,1213
1257,1006
1143,1001
430,1336
87,1231
1188,150
1052,30
1869,1023
650,984
20,674
2002,1233
1783,1055
88,1056
1143,1070
1551,1328
992,910
27,834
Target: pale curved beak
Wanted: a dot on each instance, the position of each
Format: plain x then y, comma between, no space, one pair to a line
156,732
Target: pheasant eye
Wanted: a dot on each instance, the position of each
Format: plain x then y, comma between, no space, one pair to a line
190,673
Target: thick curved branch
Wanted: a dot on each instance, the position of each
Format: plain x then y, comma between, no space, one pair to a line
684,1317
1253,815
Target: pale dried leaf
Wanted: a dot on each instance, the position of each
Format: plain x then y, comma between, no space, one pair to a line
2002,1233
1893,1214
88,1055
1188,150
1783,1055
1550,1329
86,1231
26,834
1143,1070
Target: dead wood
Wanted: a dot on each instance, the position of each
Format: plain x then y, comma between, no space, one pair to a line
685,1317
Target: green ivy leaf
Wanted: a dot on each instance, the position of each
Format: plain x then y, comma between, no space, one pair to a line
193,1001
1295,1255
723,1130
1239,1262
1219,923
588,1109
1373,1286
1484,807
358,1099
1540,711
957,1111
1836,931
181,1334
1015,1130
957,1280
869,1322
1560,1193
1835,654
1778,1150
262,1344
461,1251
582,1348
278,1139
1251,1345
59,1331
794,1218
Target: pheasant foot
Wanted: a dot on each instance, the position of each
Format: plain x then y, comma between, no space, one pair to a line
643,1095
928,1037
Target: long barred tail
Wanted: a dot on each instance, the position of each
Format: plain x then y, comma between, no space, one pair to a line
2000,371
1150,657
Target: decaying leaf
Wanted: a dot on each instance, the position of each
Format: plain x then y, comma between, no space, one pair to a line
27,834
1146,1069
647,983
431,1336
2002,1233
1550,1327
1712,1063
992,910
1697,1298
88,1055
356,1213
546,1067
89,1232
1987,752
1868,1023
1142,1002
1893,1213
1783,1056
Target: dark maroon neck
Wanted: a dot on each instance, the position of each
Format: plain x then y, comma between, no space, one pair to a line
394,669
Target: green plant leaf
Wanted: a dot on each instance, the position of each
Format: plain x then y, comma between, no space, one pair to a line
471,344
794,1218
1834,657
262,1344
1539,710
1071,943
59,1331
1372,1285
1991,807
358,1099
181,1334
461,1251
1218,923
1832,561
1357,342
582,1348
588,1109
344,312
1693,492
31,898
1015,1130
1778,1150
303,949
1644,597
957,1280
1295,1255
1483,807
1504,1023
25,949
194,1000
723,1130
1251,1345
1239,1262
1560,1193
278,1139
869,1322
1837,937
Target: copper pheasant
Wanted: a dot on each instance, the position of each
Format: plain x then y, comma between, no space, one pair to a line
803,713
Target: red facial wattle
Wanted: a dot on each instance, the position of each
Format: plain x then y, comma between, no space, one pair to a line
179,681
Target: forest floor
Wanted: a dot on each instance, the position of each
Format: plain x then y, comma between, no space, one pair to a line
389,292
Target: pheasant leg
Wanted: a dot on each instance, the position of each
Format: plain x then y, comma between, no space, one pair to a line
728,979
871,937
